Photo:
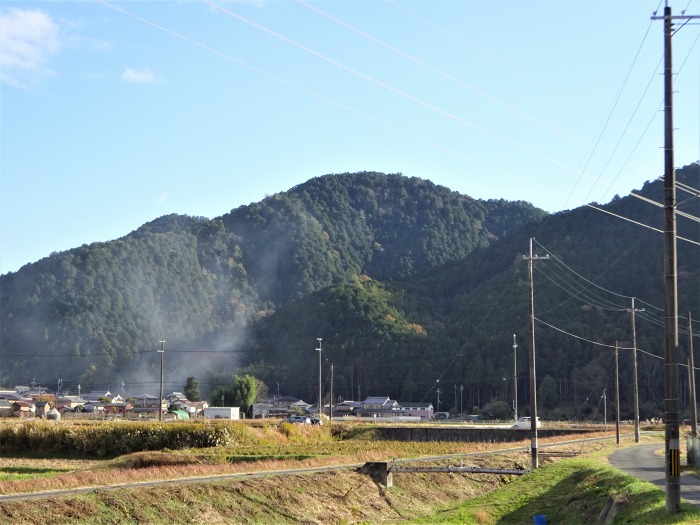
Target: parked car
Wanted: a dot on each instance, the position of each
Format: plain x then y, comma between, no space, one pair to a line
316,421
299,420
526,422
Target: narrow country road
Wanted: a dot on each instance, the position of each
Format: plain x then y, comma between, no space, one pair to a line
647,462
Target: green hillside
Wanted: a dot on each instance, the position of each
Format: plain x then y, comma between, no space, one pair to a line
94,315
411,286
463,315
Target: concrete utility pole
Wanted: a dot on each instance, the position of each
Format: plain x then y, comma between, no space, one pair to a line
634,370
691,367
461,394
330,405
319,375
617,396
515,380
672,434
605,409
160,405
533,378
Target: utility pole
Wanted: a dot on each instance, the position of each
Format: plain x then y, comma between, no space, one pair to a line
672,433
320,351
160,405
605,410
515,380
533,378
455,389
438,402
78,391
330,405
617,396
635,383
461,394
58,387
691,367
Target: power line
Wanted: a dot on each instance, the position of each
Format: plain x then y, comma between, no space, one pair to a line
440,72
305,90
387,87
579,337
640,224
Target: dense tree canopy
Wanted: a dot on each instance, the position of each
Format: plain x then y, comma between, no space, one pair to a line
411,287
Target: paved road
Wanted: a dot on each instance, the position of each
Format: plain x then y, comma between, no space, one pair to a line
644,462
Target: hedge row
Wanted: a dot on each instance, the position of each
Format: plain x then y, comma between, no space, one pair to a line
114,439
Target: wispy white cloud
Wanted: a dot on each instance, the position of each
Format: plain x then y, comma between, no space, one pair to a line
139,76
28,39
164,197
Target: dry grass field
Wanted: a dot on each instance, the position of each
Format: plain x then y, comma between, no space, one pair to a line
339,496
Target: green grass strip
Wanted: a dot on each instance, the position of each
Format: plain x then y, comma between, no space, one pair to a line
569,492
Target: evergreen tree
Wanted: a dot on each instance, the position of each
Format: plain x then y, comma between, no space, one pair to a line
192,389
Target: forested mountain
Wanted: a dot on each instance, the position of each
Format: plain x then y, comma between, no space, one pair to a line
94,315
451,327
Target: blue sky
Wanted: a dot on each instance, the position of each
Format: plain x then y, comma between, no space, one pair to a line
115,113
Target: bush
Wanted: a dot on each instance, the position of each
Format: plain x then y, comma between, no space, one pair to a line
113,439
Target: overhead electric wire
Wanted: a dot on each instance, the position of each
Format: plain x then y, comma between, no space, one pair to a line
607,121
639,140
474,332
387,87
579,290
648,316
577,294
564,95
579,275
687,188
441,73
305,90
579,337
641,224
634,113
659,205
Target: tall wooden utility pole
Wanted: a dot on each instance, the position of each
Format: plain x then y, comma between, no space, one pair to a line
634,371
672,434
533,377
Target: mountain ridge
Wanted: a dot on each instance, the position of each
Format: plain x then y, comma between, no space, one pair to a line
195,280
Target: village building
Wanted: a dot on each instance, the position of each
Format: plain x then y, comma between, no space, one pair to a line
422,410
380,407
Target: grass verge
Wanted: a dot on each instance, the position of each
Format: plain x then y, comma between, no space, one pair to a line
575,491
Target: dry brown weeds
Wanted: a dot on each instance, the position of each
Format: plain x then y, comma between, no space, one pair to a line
153,466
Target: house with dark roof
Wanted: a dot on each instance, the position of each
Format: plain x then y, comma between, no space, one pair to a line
41,408
96,395
380,407
23,408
